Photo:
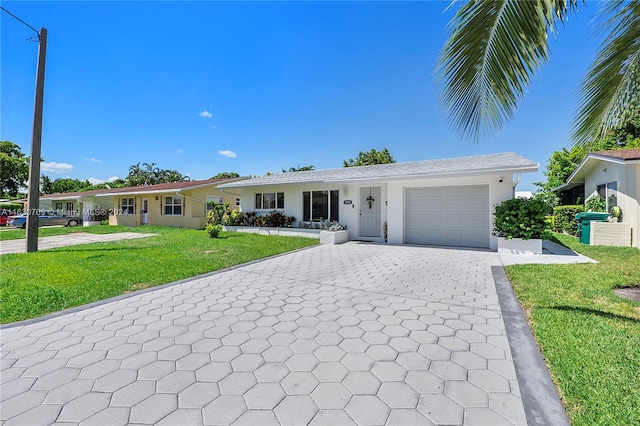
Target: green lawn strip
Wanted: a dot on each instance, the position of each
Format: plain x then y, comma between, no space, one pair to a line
36,284
16,234
590,338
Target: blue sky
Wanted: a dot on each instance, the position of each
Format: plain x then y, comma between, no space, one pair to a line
252,87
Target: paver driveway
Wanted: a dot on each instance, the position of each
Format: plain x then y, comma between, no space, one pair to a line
355,333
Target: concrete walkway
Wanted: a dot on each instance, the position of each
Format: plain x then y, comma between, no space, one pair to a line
18,246
334,335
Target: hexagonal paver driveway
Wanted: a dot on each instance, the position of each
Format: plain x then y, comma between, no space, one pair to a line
349,334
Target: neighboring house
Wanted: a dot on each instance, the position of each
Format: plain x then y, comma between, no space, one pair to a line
614,175
179,204
438,202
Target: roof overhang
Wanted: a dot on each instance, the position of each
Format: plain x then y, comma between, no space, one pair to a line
356,180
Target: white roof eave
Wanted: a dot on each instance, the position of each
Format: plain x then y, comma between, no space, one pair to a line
388,178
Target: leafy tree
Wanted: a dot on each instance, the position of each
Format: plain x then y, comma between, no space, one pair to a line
496,48
298,169
69,185
151,174
225,175
45,185
14,169
370,158
562,163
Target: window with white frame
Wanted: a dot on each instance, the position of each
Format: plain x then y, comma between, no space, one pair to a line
237,201
173,206
69,206
320,205
127,205
270,200
58,206
212,200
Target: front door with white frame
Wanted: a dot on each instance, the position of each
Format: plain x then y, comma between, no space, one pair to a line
145,211
370,211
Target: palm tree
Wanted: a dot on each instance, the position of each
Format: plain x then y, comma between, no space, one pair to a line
497,46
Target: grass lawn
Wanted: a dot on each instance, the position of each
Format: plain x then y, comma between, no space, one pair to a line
35,284
48,231
590,338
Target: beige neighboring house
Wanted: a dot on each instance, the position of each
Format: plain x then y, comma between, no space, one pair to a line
614,175
177,204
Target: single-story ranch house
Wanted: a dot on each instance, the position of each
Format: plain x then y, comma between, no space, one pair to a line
614,175
438,202
179,204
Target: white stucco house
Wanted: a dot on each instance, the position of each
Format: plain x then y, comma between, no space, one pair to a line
447,202
614,175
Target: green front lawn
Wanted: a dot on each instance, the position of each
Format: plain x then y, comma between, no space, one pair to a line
590,338
48,231
36,284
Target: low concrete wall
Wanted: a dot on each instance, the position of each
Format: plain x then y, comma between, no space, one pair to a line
334,237
610,234
290,232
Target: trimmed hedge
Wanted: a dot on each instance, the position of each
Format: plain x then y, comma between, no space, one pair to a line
565,218
521,218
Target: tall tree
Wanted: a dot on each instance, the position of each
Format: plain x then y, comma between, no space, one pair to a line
225,175
496,48
298,169
45,185
562,163
151,174
370,158
14,169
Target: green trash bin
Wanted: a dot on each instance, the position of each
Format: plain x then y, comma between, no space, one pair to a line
584,228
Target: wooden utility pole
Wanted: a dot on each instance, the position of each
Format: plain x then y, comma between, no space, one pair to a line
36,148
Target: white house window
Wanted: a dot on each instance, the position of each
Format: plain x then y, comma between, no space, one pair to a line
58,205
173,206
269,200
609,192
320,205
238,202
69,207
127,205
213,199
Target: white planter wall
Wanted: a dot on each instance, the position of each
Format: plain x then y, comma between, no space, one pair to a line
334,237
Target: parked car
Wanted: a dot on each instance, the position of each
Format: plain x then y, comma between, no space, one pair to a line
4,216
47,219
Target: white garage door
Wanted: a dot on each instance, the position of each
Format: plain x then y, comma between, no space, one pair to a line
448,216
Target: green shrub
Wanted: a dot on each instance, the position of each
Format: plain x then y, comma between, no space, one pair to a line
521,218
565,218
217,212
274,219
213,230
595,203
10,206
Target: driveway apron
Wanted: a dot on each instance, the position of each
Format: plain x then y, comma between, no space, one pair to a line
346,334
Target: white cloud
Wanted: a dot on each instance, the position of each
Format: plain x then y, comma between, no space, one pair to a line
94,181
206,114
57,168
227,153
179,151
113,178
93,160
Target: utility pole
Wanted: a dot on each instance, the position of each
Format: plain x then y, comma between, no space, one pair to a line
33,197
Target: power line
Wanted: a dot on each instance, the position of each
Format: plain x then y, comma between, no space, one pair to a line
20,20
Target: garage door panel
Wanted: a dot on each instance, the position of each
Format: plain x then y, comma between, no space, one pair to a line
454,216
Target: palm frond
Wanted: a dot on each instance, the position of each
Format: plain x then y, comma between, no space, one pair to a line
491,56
610,92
